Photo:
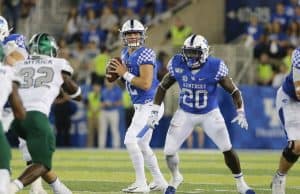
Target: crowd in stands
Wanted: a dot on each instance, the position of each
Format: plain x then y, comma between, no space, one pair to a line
274,41
13,10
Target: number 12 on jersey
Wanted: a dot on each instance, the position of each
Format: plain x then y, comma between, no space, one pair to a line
194,99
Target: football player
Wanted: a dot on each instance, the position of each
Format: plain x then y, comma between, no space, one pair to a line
11,58
9,91
198,75
42,76
139,70
288,106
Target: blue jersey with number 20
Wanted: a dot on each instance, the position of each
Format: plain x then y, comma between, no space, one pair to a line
133,61
198,88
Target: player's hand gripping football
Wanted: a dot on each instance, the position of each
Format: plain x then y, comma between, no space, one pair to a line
153,118
241,119
117,67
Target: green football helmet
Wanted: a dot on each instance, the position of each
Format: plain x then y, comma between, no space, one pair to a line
43,44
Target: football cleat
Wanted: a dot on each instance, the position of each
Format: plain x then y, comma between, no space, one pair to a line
63,189
37,187
278,184
243,188
176,181
170,190
37,191
154,186
136,188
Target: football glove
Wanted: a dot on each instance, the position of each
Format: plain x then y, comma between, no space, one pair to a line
153,118
241,119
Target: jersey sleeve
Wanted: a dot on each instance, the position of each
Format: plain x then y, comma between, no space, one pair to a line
296,59
13,75
222,71
66,67
147,56
170,67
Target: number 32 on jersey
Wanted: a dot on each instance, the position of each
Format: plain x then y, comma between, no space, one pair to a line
36,78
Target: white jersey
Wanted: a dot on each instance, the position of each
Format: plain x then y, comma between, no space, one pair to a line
41,80
7,76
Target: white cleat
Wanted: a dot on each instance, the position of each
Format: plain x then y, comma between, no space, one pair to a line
37,187
176,181
63,189
278,184
243,188
137,188
37,191
158,186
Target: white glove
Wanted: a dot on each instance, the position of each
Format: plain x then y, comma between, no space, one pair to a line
241,119
153,118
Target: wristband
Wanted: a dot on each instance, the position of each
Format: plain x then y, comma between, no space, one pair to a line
77,93
128,76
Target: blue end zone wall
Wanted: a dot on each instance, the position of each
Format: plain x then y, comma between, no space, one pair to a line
264,126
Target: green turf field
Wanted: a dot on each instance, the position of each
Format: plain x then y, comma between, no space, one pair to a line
104,172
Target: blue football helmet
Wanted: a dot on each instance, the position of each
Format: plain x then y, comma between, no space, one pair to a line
195,50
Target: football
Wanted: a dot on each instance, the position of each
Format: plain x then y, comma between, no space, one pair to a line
111,77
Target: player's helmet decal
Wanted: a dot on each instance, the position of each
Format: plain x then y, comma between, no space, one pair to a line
4,31
195,50
43,44
133,26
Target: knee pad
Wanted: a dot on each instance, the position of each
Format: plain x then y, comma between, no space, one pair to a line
288,153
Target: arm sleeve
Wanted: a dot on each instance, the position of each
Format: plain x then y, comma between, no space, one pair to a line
170,67
222,71
147,56
66,67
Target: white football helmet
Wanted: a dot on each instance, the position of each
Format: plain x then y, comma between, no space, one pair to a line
4,31
133,26
195,50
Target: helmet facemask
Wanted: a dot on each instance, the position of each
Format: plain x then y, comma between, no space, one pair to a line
131,41
133,34
195,51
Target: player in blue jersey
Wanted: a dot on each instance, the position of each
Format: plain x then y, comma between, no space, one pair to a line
198,75
139,72
288,107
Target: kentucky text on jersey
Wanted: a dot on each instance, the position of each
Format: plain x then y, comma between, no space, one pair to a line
194,86
198,90
140,56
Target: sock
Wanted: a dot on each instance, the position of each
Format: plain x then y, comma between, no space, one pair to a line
55,185
172,162
152,164
280,175
37,184
4,181
138,162
15,186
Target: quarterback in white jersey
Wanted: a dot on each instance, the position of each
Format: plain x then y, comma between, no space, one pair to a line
42,76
